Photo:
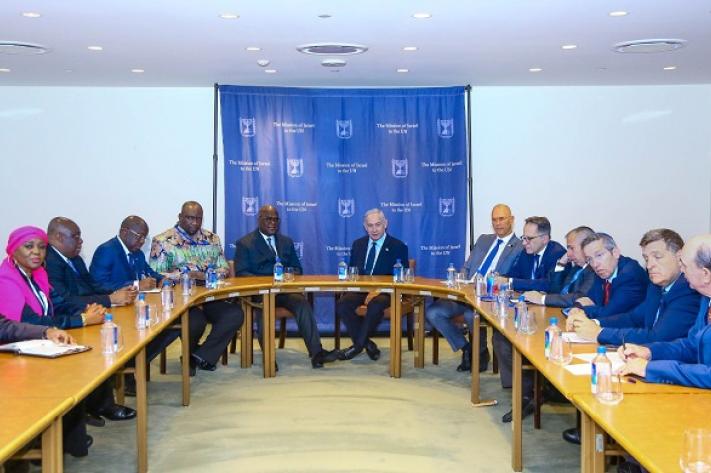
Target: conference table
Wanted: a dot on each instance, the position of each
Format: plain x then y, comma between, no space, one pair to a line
39,391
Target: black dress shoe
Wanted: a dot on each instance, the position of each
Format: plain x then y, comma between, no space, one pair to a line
372,350
466,364
202,364
94,420
324,356
526,410
117,412
84,451
349,353
572,435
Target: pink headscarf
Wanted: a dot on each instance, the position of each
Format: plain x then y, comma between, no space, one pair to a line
14,291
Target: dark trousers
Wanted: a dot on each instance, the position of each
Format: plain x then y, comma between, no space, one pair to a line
504,352
359,328
298,305
226,319
74,430
102,397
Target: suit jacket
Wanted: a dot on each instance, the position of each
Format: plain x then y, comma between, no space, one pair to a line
392,250
677,314
481,248
522,268
110,268
560,279
626,292
12,331
253,257
76,287
685,361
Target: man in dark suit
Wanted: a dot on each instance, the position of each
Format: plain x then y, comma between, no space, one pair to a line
529,272
13,331
373,254
571,278
256,254
620,285
492,252
685,361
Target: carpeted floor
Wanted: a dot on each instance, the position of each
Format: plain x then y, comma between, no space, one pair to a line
347,417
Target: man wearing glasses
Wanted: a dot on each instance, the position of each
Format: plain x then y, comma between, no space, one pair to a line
530,272
187,246
256,254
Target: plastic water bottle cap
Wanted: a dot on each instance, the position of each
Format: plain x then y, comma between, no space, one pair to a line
278,260
108,317
166,282
601,350
554,320
521,298
141,297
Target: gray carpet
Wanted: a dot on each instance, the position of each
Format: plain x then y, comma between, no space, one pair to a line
347,417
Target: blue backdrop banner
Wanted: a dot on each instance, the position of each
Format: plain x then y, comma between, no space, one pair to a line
323,157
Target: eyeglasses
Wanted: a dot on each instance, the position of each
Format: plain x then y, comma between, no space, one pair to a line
139,236
527,239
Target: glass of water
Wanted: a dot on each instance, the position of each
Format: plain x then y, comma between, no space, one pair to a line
288,274
696,452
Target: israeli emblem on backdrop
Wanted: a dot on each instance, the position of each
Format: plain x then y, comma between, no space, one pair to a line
295,167
250,205
399,168
445,128
344,129
246,126
299,248
446,207
346,207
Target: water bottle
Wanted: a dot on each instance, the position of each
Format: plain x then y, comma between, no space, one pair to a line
397,271
109,335
552,333
601,373
143,316
490,280
186,283
502,304
451,275
166,295
342,270
519,309
480,284
210,277
278,271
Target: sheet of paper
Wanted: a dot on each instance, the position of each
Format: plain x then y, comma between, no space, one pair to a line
581,369
585,369
150,291
573,337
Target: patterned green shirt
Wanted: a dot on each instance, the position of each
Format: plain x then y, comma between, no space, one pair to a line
174,250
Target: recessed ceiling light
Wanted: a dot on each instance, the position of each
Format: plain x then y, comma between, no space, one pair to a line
31,14
332,49
68,71
670,68
618,13
403,70
95,48
568,47
263,62
649,46
324,16
138,71
4,69
535,69
229,16
270,71
253,48
422,16
410,48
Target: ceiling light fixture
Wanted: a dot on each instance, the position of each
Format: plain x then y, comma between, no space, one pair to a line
263,62
617,13
31,14
229,16
568,47
403,70
332,49
535,69
324,16
333,62
648,46
422,16
410,48
17,48
270,71
138,71
253,48
95,48
670,68
4,69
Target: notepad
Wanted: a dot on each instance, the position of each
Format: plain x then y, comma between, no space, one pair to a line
585,369
43,348
573,337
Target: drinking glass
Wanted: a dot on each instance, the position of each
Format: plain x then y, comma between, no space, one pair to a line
696,452
409,275
288,274
561,350
353,273
614,394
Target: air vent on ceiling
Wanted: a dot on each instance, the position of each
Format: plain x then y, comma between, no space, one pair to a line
332,49
649,46
333,62
18,48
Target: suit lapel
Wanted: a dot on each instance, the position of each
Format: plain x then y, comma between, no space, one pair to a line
118,248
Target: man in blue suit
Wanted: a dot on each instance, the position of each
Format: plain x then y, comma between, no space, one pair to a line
621,283
529,272
492,252
669,309
571,278
685,361
373,254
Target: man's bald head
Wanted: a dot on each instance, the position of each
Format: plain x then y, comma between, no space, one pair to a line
696,263
501,220
65,236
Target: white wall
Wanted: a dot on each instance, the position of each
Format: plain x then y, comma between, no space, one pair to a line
621,159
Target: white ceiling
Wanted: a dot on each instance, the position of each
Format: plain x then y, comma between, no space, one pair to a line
478,42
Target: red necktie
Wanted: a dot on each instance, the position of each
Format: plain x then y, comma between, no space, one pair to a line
606,292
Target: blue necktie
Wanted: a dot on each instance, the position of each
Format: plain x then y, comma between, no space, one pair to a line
370,260
567,287
660,308
492,254
535,266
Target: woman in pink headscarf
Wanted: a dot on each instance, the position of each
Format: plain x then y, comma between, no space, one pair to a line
25,292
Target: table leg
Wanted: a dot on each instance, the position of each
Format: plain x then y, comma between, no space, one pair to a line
52,448
592,450
268,323
185,350
517,451
395,334
141,412
476,343
420,333
245,335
